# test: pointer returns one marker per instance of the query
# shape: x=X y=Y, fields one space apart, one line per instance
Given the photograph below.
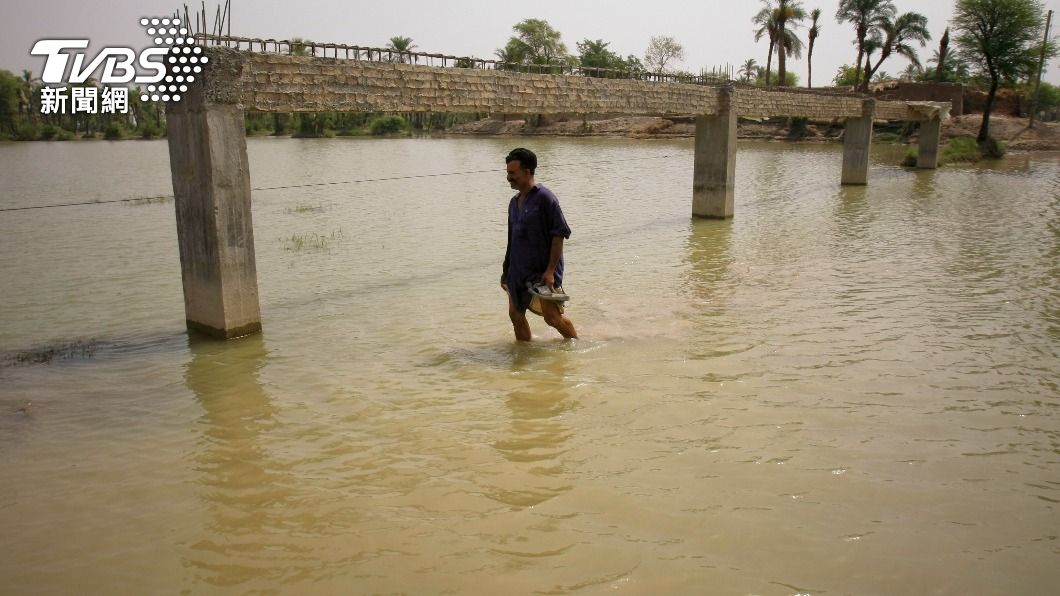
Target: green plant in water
x=63 y=350
x=305 y=209
x=909 y=161
x=992 y=148
x=961 y=150
x=385 y=125
x=311 y=241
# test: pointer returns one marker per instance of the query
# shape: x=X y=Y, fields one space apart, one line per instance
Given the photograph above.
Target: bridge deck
x=272 y=82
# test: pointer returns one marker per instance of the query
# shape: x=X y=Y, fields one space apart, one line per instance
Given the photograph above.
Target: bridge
x=211 y=174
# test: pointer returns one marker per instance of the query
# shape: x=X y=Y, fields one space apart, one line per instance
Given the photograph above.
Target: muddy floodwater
x=842 y=390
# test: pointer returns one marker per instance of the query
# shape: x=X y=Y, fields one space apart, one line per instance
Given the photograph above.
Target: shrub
x=48 y=132
x=886 y=137
x=961 y=149
x=384 y=125
x=27 y=132
x=114 y=131
x=63 y=135
x=799 y=127
x=909 y=161
x=993 y=148
x=150 y=130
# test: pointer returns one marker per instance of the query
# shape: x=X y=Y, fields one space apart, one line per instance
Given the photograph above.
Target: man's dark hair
x=525 y=157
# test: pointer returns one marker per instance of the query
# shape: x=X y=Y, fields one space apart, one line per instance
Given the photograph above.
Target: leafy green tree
x=811 y=35
x=662 y=51
x=511 y=54
x=401 y=45
x=1048 y=98
x=790 y=78
x=867 y=16
x=634 y=65
x=10 y=87
x=898 y=33
x=846 y=76
x=996 y=37
x=595 y=54
x=534 y=42
x=300 y=47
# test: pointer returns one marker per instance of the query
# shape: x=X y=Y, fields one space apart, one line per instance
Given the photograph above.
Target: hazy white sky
x=714 y=32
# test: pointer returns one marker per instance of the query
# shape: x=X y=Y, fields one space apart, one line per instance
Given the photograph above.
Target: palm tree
x=788 y=15
x=792 y=46
x=944 y=46
x=812 y=34
x=510 y=55
x=401 y=45
x=866 y=16
x=871 y=45
x=766 y=27
x=748 y=70
x=909 y=27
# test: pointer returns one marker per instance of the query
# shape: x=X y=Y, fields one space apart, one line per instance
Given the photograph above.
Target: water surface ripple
x=841 y=390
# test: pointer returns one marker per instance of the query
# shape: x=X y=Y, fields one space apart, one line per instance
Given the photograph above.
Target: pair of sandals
x=542 y=291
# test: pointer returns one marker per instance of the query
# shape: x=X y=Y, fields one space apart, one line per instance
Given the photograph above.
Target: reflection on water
x=867 y=377
x=244 y=490
x=537 y=435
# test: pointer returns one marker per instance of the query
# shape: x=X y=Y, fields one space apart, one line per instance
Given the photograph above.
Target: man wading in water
x=534 y=256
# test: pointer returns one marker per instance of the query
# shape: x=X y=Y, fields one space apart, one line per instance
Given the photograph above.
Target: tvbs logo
x=173 y=61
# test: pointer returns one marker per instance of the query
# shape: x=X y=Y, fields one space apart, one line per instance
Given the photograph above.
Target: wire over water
x=332 y=183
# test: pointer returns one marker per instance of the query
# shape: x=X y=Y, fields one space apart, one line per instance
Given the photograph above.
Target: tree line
x=998 y=43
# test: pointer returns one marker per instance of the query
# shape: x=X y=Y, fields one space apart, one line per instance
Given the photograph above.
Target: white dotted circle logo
x=184 y=57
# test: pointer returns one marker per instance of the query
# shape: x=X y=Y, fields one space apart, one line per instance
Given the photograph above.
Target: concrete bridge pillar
x=211 y=183
x=857 y=139
x=714 y=168
x=928 y=150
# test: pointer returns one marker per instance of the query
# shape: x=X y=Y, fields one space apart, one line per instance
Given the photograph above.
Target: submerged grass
x=305 y=209
x=961 y=150
x=63 y=350
x=964 y=149
x=312 y=241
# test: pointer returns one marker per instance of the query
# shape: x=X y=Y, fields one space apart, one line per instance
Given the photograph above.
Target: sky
x=713 y=32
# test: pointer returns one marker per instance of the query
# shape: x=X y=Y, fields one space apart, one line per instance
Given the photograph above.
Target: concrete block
x=714 y=167
x=211 y=184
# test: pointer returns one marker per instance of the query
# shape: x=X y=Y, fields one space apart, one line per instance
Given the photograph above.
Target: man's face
x=518 y=177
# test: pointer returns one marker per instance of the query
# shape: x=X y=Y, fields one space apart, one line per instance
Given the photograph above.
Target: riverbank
x=1013 y=131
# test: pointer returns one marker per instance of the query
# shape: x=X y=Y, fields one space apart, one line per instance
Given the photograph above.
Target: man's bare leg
x=556 y=320
x=519 y=322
